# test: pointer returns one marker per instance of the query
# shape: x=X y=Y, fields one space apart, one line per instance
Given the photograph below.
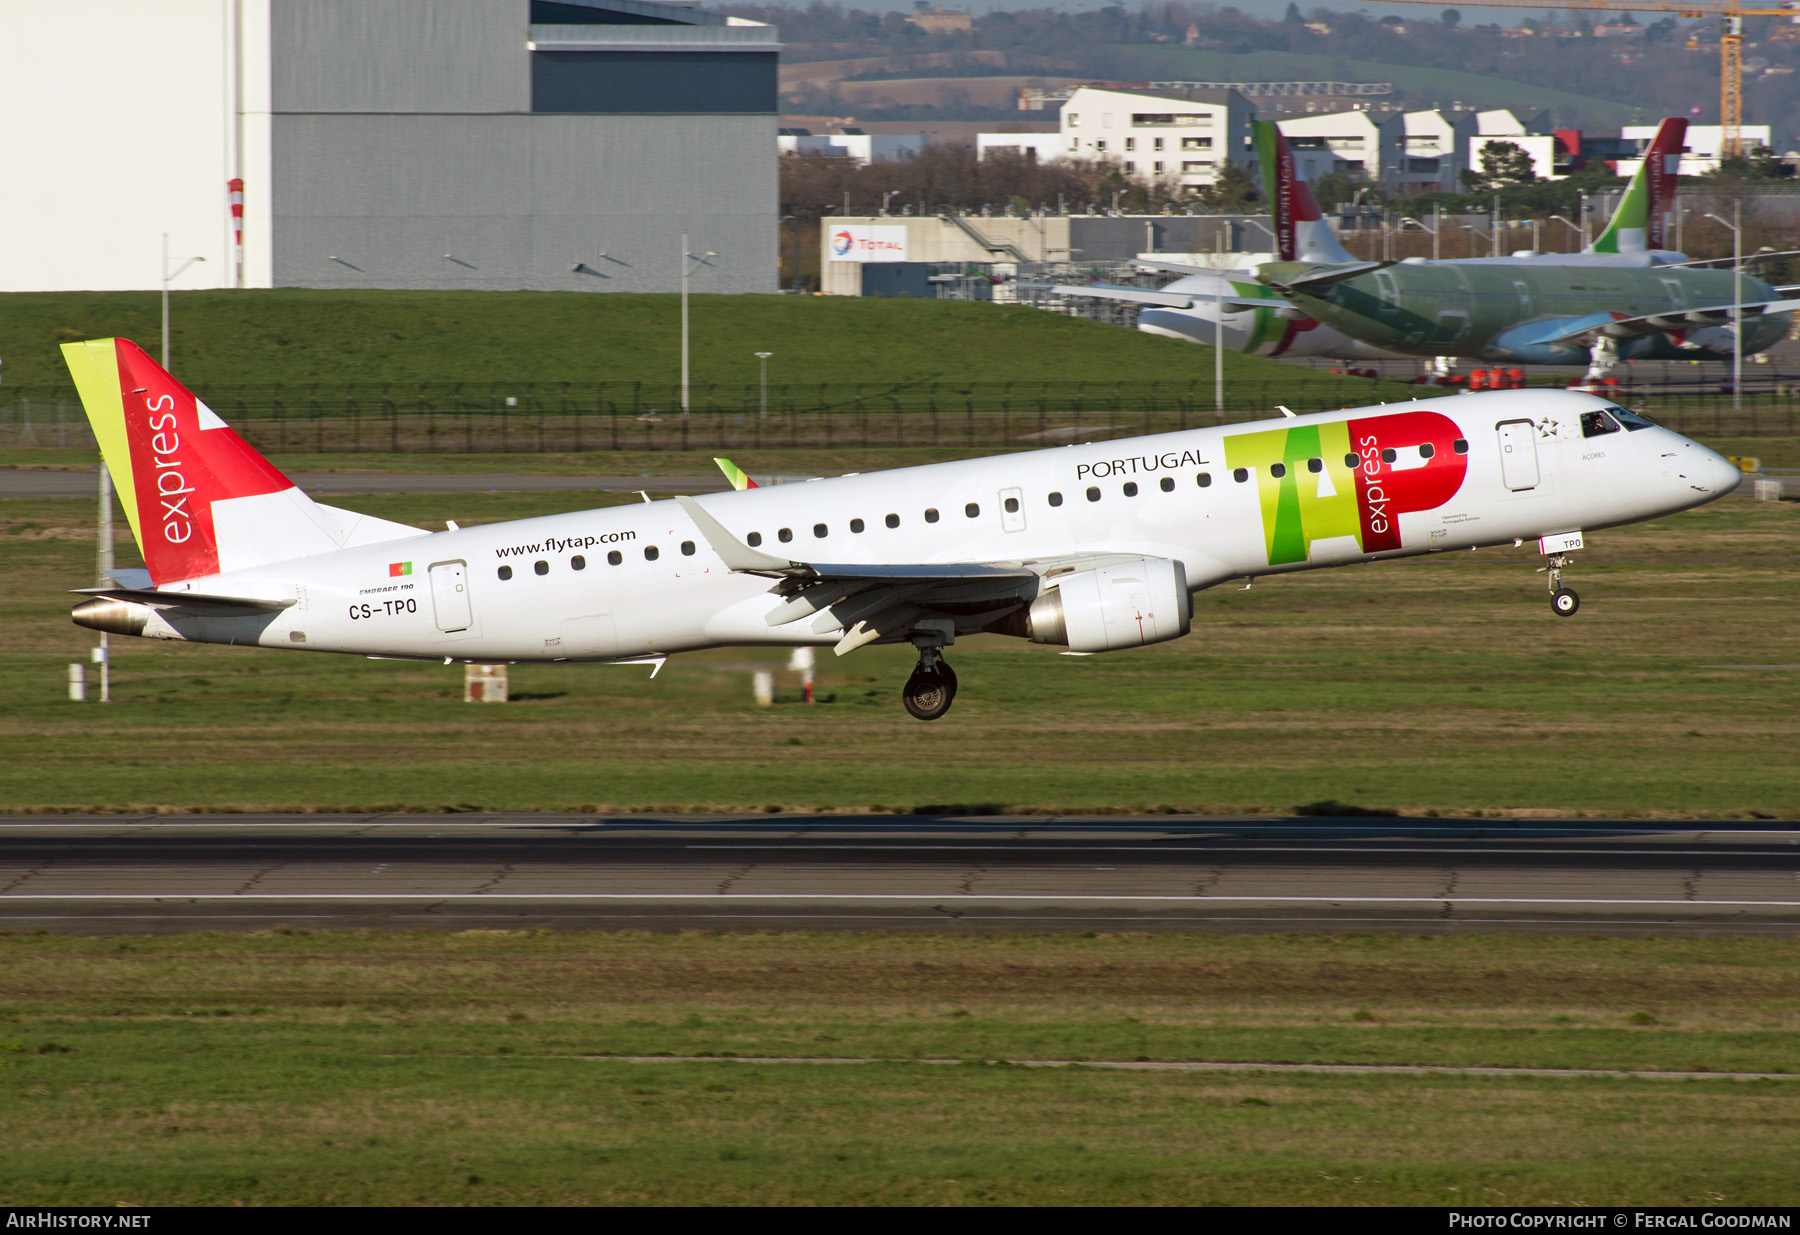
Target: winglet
x=734 y=553
x=739 y=478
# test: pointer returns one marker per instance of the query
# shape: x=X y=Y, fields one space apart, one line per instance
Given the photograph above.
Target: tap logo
x=1348 y=482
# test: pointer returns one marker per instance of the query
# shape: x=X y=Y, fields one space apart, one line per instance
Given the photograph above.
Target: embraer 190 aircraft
x=1095 y=547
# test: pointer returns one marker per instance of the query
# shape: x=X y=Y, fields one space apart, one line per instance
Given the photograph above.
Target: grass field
x=1442 y=686
x=289 y=335
x=394 y=1069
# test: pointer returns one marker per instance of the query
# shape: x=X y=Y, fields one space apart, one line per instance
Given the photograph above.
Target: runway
x=160 y=874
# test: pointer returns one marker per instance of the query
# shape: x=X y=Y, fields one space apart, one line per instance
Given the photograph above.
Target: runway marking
x=1186 y=1065
x=955 y=897
x=1607 y=853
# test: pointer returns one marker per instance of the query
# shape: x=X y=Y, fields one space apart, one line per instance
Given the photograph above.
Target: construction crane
x=1731 y=41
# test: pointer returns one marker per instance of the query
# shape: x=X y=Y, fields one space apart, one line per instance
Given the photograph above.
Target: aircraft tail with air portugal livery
x=1641 y=223
x=1301 y=232
x=200 y=500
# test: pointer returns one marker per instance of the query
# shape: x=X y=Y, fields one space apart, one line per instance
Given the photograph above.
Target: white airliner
x=1095 y=547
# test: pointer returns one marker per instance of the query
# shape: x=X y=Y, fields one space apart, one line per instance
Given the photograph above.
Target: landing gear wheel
x=1565 y=602
x=928 y=695
x=949 y=676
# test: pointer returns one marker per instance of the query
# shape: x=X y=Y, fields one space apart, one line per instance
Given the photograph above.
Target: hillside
x=286 y=335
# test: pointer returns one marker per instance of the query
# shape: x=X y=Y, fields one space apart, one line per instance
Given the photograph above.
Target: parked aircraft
x=1208 y=306
x=1095 y=547
x=1258 y=320
x=1622 y=300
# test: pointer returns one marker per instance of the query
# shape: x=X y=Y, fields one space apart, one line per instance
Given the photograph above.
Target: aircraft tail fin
x=1301 y=232
x=1641 y=223
x=739 y=478
x=200 y=499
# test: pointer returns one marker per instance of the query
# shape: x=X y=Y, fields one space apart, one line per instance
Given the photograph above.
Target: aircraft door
x=1523 y=290
x=1390 y=293
x=1451 y=323
x=1673 y=288
x=450 y=595
x=1518 y=455
x=1012 y=510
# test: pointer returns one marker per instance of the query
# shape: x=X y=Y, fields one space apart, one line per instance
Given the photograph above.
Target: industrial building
x=476 y=144
x=955 y=256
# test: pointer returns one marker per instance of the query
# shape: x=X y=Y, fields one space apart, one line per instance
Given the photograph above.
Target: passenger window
x=614 y=558
x=1012 y=505
x=1056 y=499
x=784 y=535
x=651 y=553
x=1168 y=484
x=973 y=510
x=893 y=520
x=687 y=548
x=1597 y=424
x=1278 y=470
x=1389 y=455
x=753 y=539
x=931 y=515
x=1461 y=446
x=1240 y=474
x=1315 y=466
x=578 y=562
x=856 y=526
x=1350 y=460
x=1093 y=495
x=1203 y=479
x=505 y=572
x=1427 y=451
x=542 y=568
x=1131 y=488
x=820 y=531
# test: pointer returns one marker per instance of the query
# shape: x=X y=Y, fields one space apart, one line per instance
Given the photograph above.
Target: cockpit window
x=1594 y=424
x=1631 y=420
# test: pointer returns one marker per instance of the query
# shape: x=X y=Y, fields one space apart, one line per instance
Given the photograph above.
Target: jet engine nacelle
x=1126 y=605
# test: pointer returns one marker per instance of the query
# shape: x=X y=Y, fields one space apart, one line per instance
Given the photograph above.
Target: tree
x=1292 y=16
x=1502 y=164
x=1235 y=190
x=1450 y=17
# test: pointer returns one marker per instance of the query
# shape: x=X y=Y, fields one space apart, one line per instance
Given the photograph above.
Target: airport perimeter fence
x=526 y=417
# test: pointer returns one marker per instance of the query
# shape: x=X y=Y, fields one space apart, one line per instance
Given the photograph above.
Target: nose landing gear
x=1563 y=601
x=932 y=687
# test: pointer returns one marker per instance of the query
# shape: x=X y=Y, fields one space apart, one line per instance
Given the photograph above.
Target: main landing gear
x=1563 y=601
x=932 y=687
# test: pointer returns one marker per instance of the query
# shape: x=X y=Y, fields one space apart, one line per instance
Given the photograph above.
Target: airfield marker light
x=762 y=359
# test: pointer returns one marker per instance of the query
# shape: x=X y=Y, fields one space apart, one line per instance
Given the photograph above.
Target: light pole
x=1424 y=227
x=1737 y=300
x=762 y=359
x=1566 y=223
x=167 y=279
x=687 y=260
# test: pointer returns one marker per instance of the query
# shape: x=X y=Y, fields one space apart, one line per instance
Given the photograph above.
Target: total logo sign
x=862 y=243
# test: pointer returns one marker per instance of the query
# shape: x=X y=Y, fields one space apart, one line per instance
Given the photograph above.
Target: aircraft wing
x=1167 y=300
x=869 y=601
x=1558 y=329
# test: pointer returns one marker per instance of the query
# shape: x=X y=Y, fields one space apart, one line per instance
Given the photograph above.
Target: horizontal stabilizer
x=187 y=600
x=1312 y=277
x=1232 y=303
